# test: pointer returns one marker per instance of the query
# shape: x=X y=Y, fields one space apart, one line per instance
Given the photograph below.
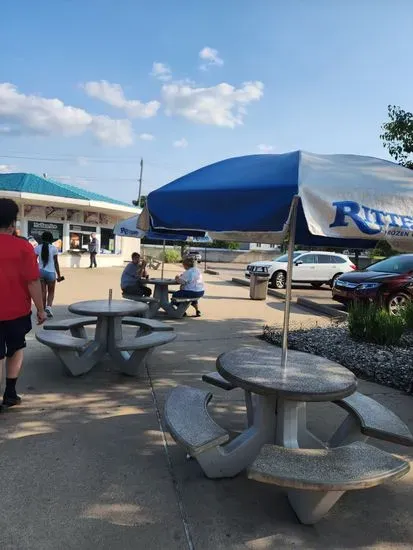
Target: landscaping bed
x=388 y=365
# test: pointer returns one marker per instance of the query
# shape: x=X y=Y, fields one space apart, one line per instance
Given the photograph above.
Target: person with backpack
x=19 y=286
x=49 y=267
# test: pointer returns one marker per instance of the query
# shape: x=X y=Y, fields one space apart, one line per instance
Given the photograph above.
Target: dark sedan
x=388 y=283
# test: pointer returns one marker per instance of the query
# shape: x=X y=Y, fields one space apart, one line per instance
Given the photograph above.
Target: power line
x=91 y=160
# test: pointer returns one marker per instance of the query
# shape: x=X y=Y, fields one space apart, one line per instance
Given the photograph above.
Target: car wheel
x=279 y=279
x=317 y=285
x=397 y=302
x=333 y=280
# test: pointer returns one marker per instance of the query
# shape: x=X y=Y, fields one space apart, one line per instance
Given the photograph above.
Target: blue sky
x=81 y=98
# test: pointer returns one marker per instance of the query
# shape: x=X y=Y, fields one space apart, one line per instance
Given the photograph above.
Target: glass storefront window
x=79 y=236
x=107 y=241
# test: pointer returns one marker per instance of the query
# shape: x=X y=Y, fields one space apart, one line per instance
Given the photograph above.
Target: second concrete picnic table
x=161 y=293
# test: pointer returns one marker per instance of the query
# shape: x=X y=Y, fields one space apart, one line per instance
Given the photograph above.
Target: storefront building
x=71 y=214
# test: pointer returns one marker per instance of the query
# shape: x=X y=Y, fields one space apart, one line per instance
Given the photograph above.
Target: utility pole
x=140 y=184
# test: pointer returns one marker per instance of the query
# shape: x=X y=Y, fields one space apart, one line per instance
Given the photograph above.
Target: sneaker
x=11 y=401
x=49 y=312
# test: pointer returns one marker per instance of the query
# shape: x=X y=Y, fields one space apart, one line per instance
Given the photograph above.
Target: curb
x=322 y=308
x=303 y=302
x=211 y=271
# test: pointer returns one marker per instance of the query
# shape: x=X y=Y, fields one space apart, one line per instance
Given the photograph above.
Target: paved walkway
x=85 y=462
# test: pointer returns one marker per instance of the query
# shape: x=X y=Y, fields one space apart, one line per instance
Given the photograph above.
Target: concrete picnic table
x=109 y=322
x=280 y=395
x=161 y=292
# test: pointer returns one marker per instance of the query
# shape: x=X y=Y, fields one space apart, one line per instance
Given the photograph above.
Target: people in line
x=19 y=286
x=134 y=276
x=93 y=250
x=49 y=267
x=192 y=285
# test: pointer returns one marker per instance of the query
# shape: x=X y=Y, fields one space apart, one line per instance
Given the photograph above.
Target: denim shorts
x=47 y=276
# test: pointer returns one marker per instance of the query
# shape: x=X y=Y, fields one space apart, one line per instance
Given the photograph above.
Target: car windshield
x=284 y=258
x=396 y=264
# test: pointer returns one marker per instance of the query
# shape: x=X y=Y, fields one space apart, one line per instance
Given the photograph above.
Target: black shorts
x=12 y=335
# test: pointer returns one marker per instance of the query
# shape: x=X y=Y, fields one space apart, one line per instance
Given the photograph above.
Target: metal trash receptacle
x=259 y=286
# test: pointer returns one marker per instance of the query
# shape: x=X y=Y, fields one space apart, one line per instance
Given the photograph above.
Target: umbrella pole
x=287 y=306
x=163 y=259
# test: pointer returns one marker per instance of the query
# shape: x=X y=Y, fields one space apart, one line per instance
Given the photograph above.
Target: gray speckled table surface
x=306 y=378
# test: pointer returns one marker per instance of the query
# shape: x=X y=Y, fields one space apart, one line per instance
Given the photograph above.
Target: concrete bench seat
x=215 y=379
x=317 y=478
x=152 y=303
x=74 y=324
x=189 y=422
x=372 y=419
x=150 y=340
x=132 y=353
x=78 y=355
x=179 y=306
x=147 y=325
x=61 y=340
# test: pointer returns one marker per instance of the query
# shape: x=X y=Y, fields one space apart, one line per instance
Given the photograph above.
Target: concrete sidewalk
x=85 y=462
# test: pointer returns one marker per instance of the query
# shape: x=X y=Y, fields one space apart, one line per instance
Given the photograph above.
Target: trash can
x=259 y=286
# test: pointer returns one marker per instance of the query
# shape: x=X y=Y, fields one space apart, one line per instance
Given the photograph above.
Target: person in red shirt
x=19 y=285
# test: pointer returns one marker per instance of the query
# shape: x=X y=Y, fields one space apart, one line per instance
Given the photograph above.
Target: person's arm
x=30 y=269
x=57 y=266
x=35 y=291
x=56 y=261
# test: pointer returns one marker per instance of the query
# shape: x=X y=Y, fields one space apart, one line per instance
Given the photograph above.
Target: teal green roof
x=29 y=183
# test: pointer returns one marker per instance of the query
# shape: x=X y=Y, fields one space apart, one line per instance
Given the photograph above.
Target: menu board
x=34 y=211
x=53 y=213
x=91 y=217
x=75 y=215
x=36 y=229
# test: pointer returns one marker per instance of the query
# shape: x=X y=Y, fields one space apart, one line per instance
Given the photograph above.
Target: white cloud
x=220 y=105
x=210 y=55
x=263 y=148
x=180 y=143
x=113 y=95
x=36 y=115
x=161 y=71
x=7 y=168
x=146 y=137
x=82 y=161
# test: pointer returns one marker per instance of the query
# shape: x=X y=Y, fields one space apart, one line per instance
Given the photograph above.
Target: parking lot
x=300 y=292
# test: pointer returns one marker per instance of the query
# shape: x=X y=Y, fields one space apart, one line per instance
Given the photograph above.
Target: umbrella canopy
x=345 y=200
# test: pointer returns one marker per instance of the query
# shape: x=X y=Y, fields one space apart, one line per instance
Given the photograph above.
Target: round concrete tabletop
x=161 y=281
x=115 y=308
x=306 y=377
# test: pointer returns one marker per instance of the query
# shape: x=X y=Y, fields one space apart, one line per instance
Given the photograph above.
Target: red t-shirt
x=18 y=267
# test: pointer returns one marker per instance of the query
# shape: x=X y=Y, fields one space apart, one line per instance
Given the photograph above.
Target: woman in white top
x=192 y=285
x=49 y=267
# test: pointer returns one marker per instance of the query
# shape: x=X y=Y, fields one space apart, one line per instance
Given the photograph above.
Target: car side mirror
x=298 y=262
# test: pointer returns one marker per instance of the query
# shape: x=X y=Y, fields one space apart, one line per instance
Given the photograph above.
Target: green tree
x=142 y=202
x=397 y=135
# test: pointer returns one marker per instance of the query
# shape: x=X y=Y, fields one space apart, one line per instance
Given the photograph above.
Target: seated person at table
x=192 y=285
x=133 y=276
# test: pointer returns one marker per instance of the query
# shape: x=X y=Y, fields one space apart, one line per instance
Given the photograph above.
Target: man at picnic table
x=19 y=285
x=133 y=277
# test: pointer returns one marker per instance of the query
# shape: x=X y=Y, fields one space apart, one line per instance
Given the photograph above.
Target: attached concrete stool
x=317 y=478
x=368 y=418
x=78 y=355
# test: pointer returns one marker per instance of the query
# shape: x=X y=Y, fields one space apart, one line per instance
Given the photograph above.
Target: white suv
x=317 y=268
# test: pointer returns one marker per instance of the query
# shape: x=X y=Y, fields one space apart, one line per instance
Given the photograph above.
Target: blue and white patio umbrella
x=321 y=200
x=128 y=228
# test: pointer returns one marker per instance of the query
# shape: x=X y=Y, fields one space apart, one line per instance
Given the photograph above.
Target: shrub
x=371 y=323
x=408 y=315
x=171 y=256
